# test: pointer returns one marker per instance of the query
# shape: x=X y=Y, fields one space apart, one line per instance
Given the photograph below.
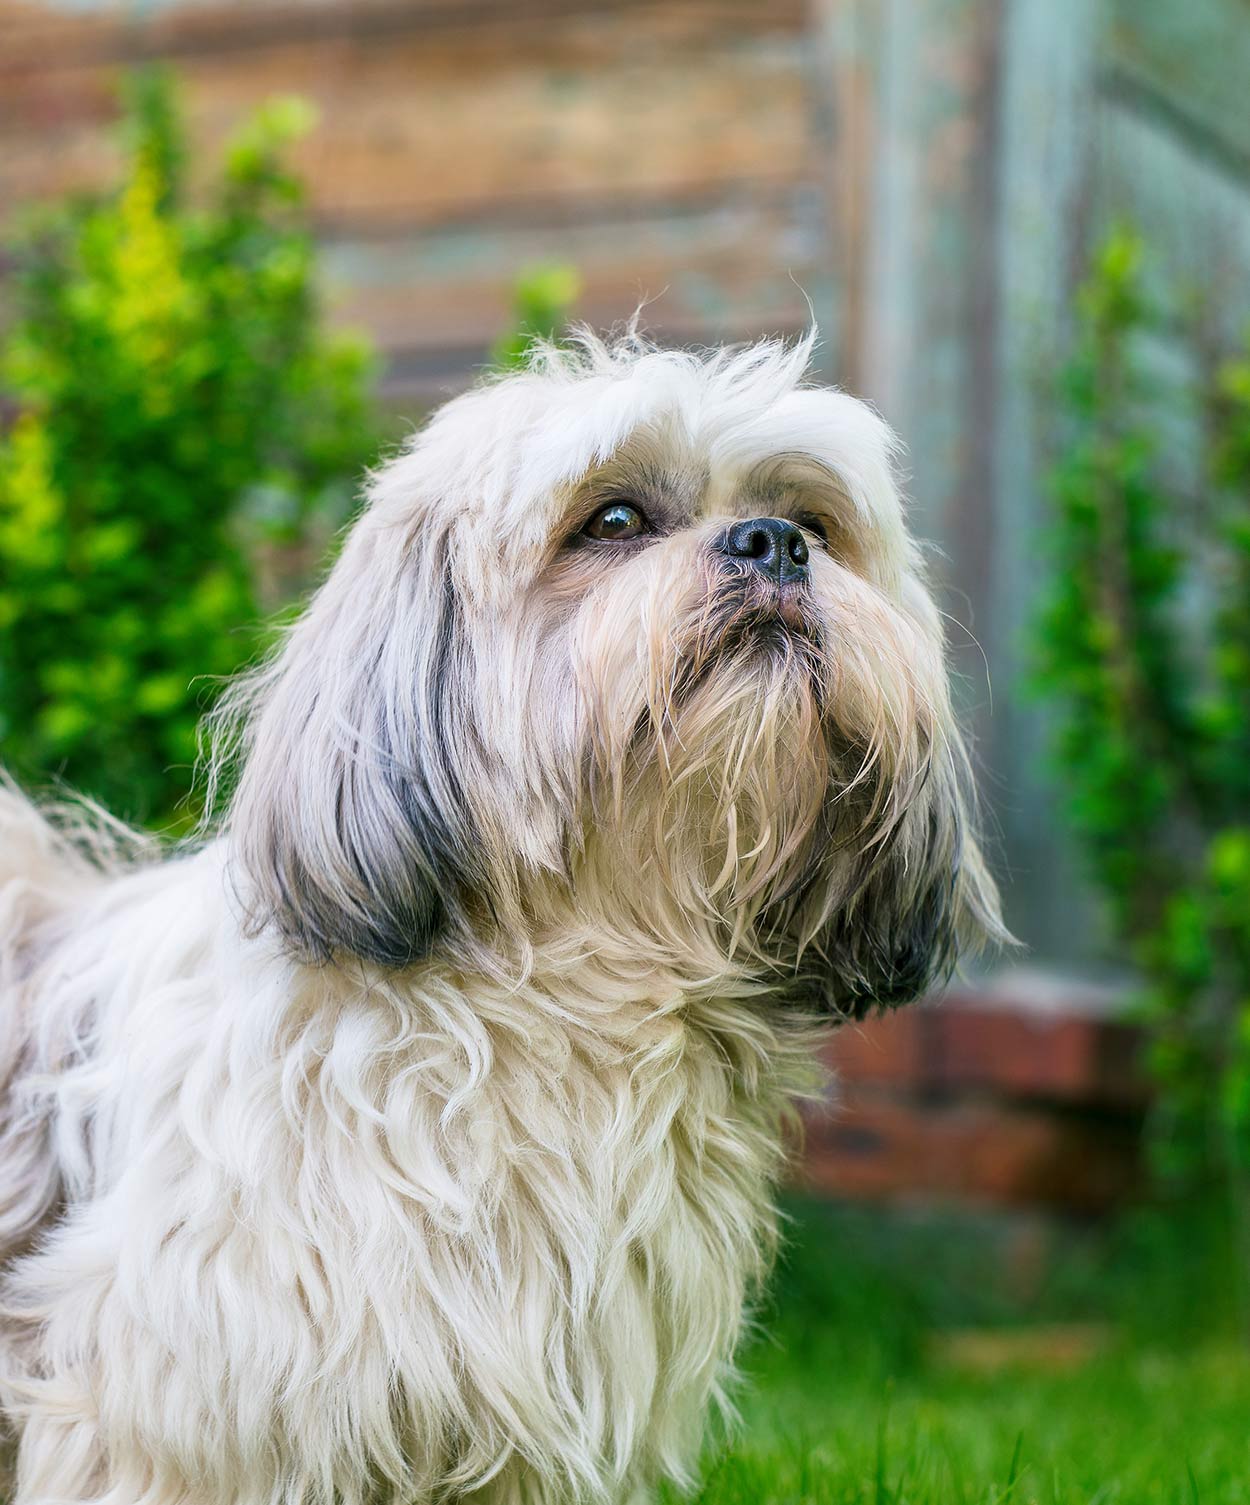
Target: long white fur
x=284 y=1226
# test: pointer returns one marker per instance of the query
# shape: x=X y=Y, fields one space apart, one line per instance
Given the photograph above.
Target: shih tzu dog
x=411 y=1137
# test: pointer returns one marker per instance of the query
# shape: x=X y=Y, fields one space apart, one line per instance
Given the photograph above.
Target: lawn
x=898 y=1366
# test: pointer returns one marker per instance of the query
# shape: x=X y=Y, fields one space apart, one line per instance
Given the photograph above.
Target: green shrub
x=1145 y=646
x=180 y=416
x=541 y=300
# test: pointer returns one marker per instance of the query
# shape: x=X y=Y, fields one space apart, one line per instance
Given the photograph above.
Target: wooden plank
x=847 y=40
x=1193 y=215
x=932 y=155
x=928 y=279
x=712 y=270
x=1049 y=120
x=115 y=31
x=435 y=300
x=1190 y=63
x=422 y=128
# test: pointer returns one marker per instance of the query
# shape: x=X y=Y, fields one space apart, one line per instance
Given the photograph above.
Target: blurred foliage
x=1145 y=647
x=179 y=416
x=1107 y=1371
x=542 y=299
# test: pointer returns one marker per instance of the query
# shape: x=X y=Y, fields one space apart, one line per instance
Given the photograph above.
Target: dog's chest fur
x=357 y=1239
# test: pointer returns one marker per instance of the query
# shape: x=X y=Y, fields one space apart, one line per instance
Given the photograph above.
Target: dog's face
x=633 y=646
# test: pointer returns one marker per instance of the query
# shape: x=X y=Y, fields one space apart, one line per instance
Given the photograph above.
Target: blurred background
x=248 y=243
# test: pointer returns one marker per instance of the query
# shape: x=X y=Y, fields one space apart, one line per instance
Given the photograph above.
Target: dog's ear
x=350 y=830
x=922 y=898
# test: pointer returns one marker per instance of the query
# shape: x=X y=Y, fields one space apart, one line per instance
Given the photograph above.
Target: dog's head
x=631 y=649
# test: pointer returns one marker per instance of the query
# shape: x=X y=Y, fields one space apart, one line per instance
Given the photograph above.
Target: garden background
x=247 y=245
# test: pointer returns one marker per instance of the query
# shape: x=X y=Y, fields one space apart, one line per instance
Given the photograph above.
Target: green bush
x=181 y=417
x=541 y=300
x=1145 y=647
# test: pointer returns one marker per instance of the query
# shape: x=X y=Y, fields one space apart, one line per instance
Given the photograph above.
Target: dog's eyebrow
x=793 y=469
x=668 y=494
x=793 y=478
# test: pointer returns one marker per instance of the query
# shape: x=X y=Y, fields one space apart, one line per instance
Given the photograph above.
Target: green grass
x=853 y=1393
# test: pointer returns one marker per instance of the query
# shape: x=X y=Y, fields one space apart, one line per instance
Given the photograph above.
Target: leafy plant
x=541 y=300
x=1144 y=644
x=182 y=425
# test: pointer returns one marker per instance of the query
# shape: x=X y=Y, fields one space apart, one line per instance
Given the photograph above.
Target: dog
x=412 y=1136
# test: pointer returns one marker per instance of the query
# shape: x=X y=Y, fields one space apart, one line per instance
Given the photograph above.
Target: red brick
x=974 y=1042
x=1065 y=1058
x=888 y=1050
x=878 y=1146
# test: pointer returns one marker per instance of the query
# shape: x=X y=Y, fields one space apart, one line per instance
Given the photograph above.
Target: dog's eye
x=616 y=521
x=814 y=525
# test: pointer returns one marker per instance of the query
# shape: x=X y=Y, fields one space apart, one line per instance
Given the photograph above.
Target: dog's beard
x=725 y=782
x=744 y=773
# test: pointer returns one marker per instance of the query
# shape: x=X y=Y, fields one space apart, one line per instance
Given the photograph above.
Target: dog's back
x=39 y=871
x=31 y=852
x=43 y=874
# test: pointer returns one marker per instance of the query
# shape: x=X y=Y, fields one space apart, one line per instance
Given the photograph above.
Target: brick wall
x=1024 y=1095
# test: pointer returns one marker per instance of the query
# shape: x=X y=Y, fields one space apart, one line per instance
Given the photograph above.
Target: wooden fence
x=922 y=176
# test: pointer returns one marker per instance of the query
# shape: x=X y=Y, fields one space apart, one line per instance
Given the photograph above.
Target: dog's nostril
x=775 y=546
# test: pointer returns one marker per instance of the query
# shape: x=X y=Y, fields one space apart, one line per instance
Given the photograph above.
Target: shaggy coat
x=410 y=1137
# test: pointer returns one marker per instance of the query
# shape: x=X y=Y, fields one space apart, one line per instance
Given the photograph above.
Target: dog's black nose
x=774 y=546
